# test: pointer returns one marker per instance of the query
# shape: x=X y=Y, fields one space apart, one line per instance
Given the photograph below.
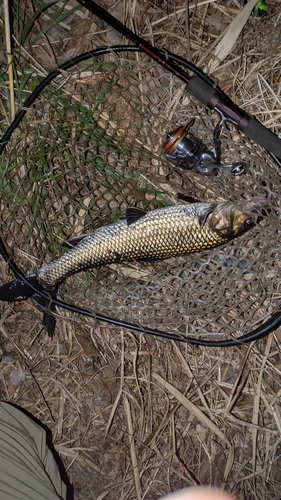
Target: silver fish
x=158 y=234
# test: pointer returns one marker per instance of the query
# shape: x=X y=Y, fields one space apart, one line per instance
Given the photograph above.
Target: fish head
x=233 y=219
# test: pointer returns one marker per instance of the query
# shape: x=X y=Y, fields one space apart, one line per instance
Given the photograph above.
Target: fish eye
x=248 y=222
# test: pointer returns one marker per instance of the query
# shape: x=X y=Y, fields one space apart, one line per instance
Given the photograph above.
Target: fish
x=141 y=236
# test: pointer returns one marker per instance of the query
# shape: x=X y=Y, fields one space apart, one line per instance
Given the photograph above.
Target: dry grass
x=132 y=416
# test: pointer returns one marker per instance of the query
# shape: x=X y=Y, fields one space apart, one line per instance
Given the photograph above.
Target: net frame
x=239 y=147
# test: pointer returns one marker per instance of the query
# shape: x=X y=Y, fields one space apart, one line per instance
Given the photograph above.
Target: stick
x=9 y=58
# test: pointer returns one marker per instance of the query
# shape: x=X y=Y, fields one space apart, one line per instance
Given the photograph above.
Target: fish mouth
x=248 y=213
x=257 y=206
x=254 y=205
x=233 y=219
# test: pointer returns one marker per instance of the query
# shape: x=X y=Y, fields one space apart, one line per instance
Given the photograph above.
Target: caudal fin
x=17 y=290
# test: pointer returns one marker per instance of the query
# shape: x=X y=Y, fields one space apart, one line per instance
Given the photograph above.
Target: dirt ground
x=134 y=416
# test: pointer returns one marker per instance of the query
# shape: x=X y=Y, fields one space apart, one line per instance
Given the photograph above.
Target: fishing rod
x=267 y=327
x=199 y=86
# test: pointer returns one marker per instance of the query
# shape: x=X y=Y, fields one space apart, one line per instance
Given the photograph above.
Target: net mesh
x=90 y=146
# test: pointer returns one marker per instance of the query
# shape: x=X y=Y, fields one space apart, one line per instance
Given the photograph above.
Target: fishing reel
x=186 y=151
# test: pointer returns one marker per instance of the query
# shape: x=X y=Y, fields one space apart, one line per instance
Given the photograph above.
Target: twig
x=37 y=23
x=132 y=447
x=9 y=58
x=187 y=28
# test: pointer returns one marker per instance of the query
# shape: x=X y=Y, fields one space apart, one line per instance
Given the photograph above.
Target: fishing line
x=269 y=326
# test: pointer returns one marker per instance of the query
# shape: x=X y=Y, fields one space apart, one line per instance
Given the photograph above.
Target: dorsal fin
x=133 y=214
x=73 y=242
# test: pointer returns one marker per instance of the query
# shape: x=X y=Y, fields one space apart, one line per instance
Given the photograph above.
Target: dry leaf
x=80 y=27
x=87 y=346
x=227 y=43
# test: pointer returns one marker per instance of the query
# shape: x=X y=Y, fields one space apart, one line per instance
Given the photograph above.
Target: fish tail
x=19 y=290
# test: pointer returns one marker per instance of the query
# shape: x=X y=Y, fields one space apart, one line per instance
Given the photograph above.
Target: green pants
x=28 y=470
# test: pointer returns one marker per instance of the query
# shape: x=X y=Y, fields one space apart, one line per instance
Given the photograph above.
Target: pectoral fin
x=187 y=199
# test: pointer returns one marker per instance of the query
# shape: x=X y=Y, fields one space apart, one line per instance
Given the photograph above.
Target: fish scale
x=158 y=234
